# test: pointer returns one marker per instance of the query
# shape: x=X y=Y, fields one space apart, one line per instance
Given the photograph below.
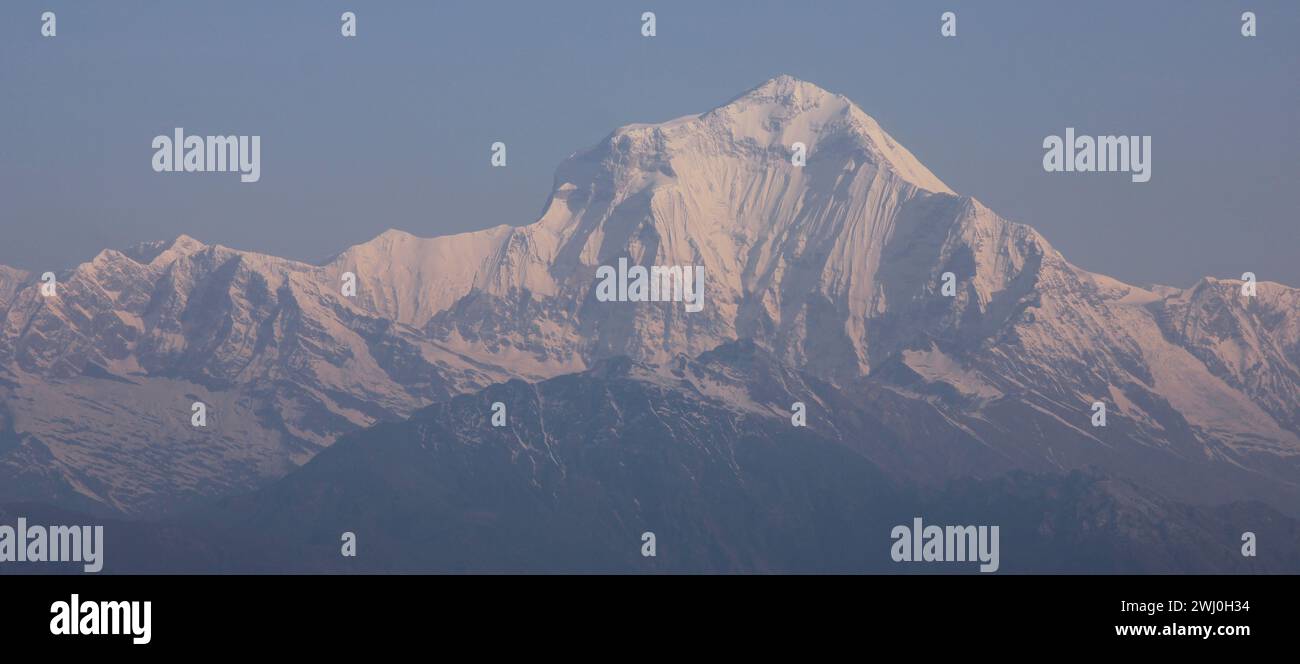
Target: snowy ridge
x=832 y=270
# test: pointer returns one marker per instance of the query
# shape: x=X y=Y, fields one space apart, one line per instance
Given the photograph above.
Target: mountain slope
x=101 y=377
x=833 y=270
x=588 y=462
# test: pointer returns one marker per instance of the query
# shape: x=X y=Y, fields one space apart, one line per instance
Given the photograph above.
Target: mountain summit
x=786 y=110
x=718 y=190
x=833 y=271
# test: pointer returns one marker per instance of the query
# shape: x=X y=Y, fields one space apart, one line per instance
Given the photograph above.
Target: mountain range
x=823 y=286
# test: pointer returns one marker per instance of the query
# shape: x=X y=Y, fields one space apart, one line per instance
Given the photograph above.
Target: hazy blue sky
x=393 y=128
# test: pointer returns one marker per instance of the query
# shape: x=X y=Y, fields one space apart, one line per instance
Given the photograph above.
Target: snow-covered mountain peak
x=790 y=90
x=780 y=99
x=408 y=278
x=751 y=137
x=785 y=110
x=162 y=252
x=857 y=268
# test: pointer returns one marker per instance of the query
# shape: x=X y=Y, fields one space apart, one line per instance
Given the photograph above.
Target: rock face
x=822 y=285
x=589 y=463
x=99 y=380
